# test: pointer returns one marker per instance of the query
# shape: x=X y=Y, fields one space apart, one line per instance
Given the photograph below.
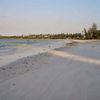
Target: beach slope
x=68 y=73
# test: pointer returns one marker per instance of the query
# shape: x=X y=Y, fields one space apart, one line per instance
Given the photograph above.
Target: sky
x=47 y=16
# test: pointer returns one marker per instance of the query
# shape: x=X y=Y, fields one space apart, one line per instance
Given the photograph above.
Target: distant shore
x=83 y=41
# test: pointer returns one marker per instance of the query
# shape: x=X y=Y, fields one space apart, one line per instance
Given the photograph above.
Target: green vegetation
x=92 y=33
x=48 y=36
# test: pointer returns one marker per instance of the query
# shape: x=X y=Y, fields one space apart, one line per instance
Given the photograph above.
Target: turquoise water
x=14 y=42
x=8 y=44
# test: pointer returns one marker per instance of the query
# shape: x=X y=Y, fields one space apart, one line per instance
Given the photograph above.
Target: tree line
x=91 y=33
x=48 y=36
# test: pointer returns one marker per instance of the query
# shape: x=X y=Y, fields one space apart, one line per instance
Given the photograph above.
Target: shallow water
x=7 y=45
x=14 y=49
x=89 y=49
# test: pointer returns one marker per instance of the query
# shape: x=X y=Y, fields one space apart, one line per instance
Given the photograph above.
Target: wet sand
x=68 y=73
x=15 y=50
x=20 y=52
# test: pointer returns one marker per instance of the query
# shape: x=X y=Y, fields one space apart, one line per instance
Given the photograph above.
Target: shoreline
x=23 y=51
x=83 y=41
x=50 y=74
x=29 y=51
x=7 y=59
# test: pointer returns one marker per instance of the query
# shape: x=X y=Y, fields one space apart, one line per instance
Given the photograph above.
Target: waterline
x=75 y=57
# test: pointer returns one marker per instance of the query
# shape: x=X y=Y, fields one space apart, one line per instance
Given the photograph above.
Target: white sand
x=75 y=57
x=27 y=50
x=61 y=74
x=21 y=52
x=83 y=41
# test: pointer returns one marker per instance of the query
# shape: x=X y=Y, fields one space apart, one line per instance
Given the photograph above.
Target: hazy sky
x=47 y=16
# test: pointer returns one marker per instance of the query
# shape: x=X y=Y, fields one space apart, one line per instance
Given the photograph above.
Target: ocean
x=9 y=44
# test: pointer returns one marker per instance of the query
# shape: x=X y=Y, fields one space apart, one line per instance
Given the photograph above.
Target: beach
x=68 y=72
x=14 y=49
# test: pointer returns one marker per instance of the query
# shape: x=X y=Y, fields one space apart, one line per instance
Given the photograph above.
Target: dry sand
x=83 y=41
x=67 y=73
